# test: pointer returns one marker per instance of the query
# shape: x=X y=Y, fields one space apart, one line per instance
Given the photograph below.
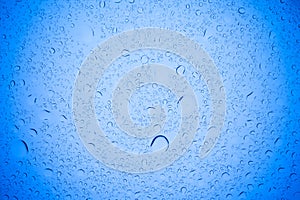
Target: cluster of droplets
x=255 y=47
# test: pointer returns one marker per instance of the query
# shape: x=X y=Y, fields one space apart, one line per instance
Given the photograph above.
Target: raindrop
x=276 y=140
x=81 y=172
x=219 y=28
x=183 y=190
x=140 y=10
x=19 y=148
x=34 y=131
x=225 y=174
x=250 y=187
x=198 y=12
x=242 y=194
x=180 y=70
x=102 y=4
x=293 y=175
x=196 y=75
x=154 y=85
x=47 y=111
x=48 y=171
x=280 y=169
x=248 y=95
x=144 y=59
x=241 y=10
x=12 y=83
x=168 y=54
x=179 y=99
x=269 y=152
x=17 y=68
x=158 y=137
x=125 y=52
x=109 y=124
x=52 y=50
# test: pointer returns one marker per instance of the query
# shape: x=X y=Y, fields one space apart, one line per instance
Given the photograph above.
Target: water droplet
x=219 y=28
x=48 y=171
x=159 y=143
x=250 y=187
x=17 y=68
x=140 y=10
x=225 y=175
x=125 y=52
x=144 y=59
x=34 y=132
x=241 y=10
x=280 y=169
x=198 y=12
x=19 y=148
x=168 y=54
x=242 y=194
x=180 y=70
x=12 y=83
x=109 y=124
x=183 y=190
x=196 y=75
x=154 y=85
x=81 y=172
x=52 y=50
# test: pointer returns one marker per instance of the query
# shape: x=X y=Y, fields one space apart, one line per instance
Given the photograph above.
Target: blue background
x=255 y=46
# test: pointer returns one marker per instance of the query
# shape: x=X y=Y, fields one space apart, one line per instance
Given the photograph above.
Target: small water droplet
x=81 y=172
x=12 y=83
x=140 y=10
x=168 y=54
x=144 y=59
x=241 y=10
x=48 y=171
x=109 y=124
x=17 y=68
x=52 y=50
x=198 y=12
x=219 y=28
x=180 y=70
x=34 y=131
x=154 y=85
x=125 y=52
x=183 y=190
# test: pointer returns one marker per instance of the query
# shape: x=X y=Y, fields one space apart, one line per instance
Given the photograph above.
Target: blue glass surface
x=255 y=46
